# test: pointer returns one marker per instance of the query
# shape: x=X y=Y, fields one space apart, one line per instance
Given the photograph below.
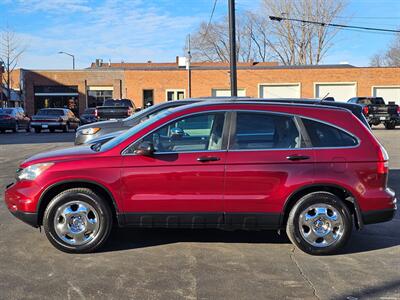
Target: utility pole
x=232 y=44
x=188 y=61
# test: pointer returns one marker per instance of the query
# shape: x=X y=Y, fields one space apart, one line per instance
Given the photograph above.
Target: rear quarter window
x=326 y=136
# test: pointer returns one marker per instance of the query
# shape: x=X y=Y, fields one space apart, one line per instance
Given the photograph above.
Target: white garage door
x=280 y=90
x=227 y=92
x=387 y=93
x=340 y=91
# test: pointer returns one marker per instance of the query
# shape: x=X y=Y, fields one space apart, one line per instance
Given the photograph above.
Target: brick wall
x=130 y=83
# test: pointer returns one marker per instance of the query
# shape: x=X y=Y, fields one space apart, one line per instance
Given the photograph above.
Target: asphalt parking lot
x=192 y=264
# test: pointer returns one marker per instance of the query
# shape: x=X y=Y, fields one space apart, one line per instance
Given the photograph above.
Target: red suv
x=308 y=169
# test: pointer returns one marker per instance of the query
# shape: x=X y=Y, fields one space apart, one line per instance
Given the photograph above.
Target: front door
x=181 y=184
x=266 y=155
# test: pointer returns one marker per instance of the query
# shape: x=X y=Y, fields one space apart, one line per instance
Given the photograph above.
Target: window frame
x=334 y=126
x=225 y=134
x=300 y=127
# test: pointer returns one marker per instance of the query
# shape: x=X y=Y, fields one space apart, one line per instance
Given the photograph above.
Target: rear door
x=268 y=156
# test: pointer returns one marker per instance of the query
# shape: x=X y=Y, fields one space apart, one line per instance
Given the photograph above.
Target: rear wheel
x=77 y=221
x=38 y=130
x=319 y=223
x=390 y=125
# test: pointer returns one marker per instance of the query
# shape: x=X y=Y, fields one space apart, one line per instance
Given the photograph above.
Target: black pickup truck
x=377 y=112
x=115 y=109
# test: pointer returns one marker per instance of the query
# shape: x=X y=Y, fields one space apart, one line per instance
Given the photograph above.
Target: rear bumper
x=378 y=216
x=43 y=125
x=7 y=125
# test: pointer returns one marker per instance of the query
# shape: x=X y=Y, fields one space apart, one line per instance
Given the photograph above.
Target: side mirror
x=145 y=149
x=177 y=133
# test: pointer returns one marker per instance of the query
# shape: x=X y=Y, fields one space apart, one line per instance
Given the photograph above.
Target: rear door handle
x=207 y=158
x=297 y=157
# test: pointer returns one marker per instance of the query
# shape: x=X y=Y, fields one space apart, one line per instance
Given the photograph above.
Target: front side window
x=193 y=133
x=324 y=135
x=265 y=131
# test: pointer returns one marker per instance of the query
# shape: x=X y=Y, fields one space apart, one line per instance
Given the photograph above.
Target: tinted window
x=265 y=131
x=126 y=103
x=323 y=135
x=194 y=133
x=6 y=111
x=51 y=112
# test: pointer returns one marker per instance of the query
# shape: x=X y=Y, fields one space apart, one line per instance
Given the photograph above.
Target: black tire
x=52 y=130
x=86 y=196
x=28 y=128
x=307 y=201
x=390 y=125
x=2 y=130
x=16 y=127
x=38 y=130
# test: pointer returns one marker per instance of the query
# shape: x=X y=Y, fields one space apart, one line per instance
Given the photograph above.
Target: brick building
x=157 y=82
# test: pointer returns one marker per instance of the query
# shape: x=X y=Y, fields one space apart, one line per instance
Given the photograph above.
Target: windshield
x=51 y=112
x=135 y=129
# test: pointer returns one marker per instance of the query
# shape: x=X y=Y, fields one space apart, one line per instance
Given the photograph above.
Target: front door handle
x=207 y=158
x=297 y=157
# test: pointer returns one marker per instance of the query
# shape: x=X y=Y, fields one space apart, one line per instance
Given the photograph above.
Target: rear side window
x=265 y=131
x=323 y=135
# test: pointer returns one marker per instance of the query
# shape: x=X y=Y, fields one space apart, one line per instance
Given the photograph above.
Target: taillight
x=365 y=110
x=398 y=109
x=382 y=167
x=96 y=113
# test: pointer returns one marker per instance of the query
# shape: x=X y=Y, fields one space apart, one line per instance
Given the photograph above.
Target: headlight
x=33 y=171
x=89 y=131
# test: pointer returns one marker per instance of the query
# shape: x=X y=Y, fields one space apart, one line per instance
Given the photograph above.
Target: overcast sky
x=141 y=30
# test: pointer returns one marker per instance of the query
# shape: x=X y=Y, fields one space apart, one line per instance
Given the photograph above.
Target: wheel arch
x=337 y=190
x=51 y=191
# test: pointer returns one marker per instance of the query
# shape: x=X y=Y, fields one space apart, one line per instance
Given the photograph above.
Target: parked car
x=309 y=169
x=54 y=118
x=101 y=132
x=14 y=118
x=88 y=116
x=115 y=109
x=378 y=112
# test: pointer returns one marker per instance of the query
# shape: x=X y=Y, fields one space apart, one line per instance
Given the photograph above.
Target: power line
x=279 y=19
x=211 y=16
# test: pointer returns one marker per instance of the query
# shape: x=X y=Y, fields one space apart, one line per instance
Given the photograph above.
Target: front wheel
x=319 y=223
x=77 y=221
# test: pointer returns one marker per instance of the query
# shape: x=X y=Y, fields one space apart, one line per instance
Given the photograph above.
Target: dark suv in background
x=378 y=112
x=14 y=118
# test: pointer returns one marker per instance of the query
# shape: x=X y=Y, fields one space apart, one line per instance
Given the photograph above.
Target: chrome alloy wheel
x=76 y=223
x=321 y=225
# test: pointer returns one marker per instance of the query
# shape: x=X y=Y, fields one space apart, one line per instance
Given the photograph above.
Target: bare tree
x=297 y=43
x=390 y=58
x=11 y=49
x=258 y=38
x=211 y=42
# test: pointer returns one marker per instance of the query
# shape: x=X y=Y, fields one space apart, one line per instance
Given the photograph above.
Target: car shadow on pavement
x=10 y=138
x=375 y=292
x=129 y=238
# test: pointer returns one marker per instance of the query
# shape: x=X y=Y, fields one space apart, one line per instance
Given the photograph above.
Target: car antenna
x=325 y=96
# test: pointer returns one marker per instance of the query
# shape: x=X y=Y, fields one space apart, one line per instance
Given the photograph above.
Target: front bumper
x=21 y=200
x=378 y=216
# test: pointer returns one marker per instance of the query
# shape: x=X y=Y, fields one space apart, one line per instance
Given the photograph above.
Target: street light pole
x=232 y=44
x=73 y=58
